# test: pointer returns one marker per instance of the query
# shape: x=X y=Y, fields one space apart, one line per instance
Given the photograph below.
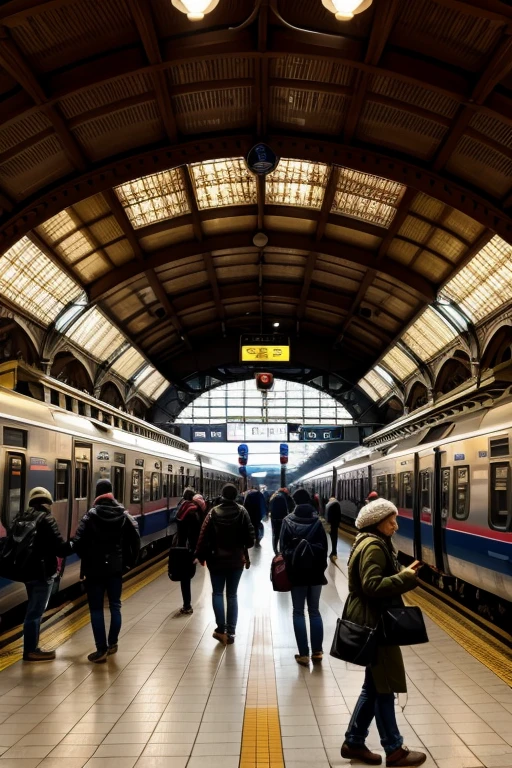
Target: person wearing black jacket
x=188 y=522
x=225 y=537
x=280 y=505
x=40 y=571
x=333 y=515
x=107 y=540
x=302 y=532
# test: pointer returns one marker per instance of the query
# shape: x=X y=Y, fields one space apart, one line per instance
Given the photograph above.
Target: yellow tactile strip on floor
x=488 y=650
x=261 y=736
x=56 y=635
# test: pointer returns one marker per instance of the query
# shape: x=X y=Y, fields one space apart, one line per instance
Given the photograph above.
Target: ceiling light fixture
x=344 y=10
x=195 y=9
x=276 y=325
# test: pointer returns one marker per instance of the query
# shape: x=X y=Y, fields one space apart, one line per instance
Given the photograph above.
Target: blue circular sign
x=261 y=159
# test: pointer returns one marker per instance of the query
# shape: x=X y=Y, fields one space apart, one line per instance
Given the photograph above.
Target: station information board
x=268 y=433
x=265 y=348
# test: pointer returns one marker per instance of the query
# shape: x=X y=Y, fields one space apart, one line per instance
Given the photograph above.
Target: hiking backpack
x=18 y=546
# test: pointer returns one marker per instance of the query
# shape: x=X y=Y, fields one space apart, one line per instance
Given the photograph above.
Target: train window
x=182 y=480
x=425 y=493
x=16 y=438
x=366 y=486
x=118 y=483
x=165 y=485
x=136 y=492
x=155 y=486
x=61 y=481
x=499 y=447
x=81 y=479
x=147 y=486
x=405 y=490
x=392 y=489
x=445 y=494
x=382 y=486
x=461 y=502
x=500 y=495
x=14 y=485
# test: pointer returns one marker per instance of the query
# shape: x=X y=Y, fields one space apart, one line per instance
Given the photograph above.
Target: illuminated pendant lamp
x=344 y=10
x=195 y=9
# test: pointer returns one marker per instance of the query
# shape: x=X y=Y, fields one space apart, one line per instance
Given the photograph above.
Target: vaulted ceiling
x=123 y=132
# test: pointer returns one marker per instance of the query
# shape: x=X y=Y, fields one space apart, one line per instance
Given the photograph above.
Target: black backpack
x=18 y=546
x=304 y=556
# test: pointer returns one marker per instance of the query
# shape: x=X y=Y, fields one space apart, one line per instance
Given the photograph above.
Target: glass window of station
x=288 y=402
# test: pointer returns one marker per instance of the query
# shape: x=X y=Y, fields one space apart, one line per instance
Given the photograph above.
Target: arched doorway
x=15 y=343
x=499 y=348
x=110 y=394
x=453 y=373
x=69 y=370
x=137 y=408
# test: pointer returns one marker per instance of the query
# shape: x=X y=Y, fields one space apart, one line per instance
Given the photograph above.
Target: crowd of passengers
x=220 y=535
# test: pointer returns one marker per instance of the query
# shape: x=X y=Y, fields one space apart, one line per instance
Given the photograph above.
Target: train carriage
x=43 y=444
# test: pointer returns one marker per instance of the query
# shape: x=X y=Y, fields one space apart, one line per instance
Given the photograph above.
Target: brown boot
x=404 y=756
x=362 y=754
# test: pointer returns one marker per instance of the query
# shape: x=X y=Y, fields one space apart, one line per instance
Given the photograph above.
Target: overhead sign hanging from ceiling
x=272 y=348
x=261 y=159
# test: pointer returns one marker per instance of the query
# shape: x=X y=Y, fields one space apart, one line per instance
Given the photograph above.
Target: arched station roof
x=126 y=203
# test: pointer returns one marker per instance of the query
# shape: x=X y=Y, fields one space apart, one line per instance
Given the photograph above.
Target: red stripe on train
x=465 y=527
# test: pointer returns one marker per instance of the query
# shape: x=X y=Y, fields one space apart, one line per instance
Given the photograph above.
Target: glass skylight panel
x=374 y=385
x=128 y=363
x=429 y=335
x=400 y=364
x=297 y=182
x=153 y=198
x=218 y=183
x=94 y=333
x=31 y=281
x=485 y=284
x=367 y=197
x=153 y=384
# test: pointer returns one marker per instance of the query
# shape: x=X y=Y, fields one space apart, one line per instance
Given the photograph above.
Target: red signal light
x=264 y=381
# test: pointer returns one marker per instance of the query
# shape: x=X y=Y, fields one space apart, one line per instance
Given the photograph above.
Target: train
x=65 y=440
x=448 y=471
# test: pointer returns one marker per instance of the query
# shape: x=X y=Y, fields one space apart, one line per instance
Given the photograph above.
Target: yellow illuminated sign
x=255 y=352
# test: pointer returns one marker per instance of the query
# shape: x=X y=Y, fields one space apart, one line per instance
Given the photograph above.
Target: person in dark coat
x=307 y=583
x=280 y=505
x=40 y=571
x=333 y=517
x=376 y=580
x=254 y=503
x=188 y=521
x=108 y=542
x=226 y=536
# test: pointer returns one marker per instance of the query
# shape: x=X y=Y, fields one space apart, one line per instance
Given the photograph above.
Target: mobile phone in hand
x=417 y=564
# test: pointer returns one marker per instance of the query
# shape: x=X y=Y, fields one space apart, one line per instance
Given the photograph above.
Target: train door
x=14 y=486
x=81 y=485
x=441 y=509
x=424 y=537
x=118 y=483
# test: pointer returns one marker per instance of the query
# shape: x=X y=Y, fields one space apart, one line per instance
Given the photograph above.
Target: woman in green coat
x=375 y=581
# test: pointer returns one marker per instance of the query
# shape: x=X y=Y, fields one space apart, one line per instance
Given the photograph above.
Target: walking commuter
x=376 y=580
x=303 y=544
x=333 y=516
x=108 y=542
x=43 y=545
x=280 y=506
x=225 y=538
x=372 y=496
x=254 y=503
x=188 y=521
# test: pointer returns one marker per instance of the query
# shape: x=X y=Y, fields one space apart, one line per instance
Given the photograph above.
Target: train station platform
x=174 y=698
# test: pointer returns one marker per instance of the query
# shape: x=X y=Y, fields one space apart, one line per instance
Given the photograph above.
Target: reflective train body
x=44 y=445
x=453 y=489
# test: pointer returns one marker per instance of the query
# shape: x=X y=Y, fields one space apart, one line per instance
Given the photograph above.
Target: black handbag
x=403 y=626
x=354 y=643
x=181 y=564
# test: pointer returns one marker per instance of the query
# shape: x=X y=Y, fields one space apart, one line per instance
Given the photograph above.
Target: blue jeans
x=96 y=588
x=228 y=580
x=371 y=704
x=38 y=593
x=311 y=595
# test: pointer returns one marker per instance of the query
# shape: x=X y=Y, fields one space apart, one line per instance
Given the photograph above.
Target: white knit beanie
x=374 y=512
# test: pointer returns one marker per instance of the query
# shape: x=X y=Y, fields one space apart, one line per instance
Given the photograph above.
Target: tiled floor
x=173 y=697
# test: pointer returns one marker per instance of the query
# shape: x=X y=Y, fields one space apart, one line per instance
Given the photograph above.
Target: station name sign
x=269 y=348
